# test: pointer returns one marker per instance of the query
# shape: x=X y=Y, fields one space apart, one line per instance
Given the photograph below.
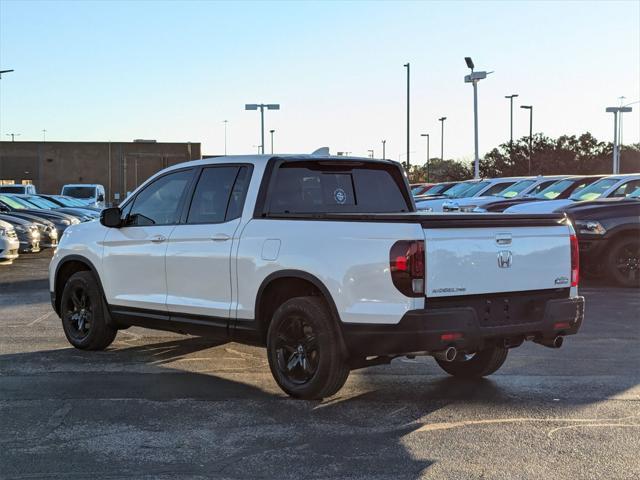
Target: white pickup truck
x=322 y=260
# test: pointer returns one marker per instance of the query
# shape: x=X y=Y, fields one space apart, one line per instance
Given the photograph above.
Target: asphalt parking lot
x=161 y=405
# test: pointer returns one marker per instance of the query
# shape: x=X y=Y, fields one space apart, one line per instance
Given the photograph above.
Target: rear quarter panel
x=351 y=259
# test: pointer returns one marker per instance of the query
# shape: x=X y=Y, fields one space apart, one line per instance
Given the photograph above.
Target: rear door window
x=335 y=187
x=219 y=195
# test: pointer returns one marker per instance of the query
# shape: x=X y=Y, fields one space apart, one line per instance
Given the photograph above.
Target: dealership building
x=119 y=166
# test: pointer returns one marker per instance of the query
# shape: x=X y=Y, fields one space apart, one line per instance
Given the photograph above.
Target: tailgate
x=475 y=260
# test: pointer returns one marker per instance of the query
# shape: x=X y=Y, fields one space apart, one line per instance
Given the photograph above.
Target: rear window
x=79 y=192
x=12 y=189
x=334 y=187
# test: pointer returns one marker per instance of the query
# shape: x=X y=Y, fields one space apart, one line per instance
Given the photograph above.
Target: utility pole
x=530 y=108
x=371 y=152
x=616 y=148
x=271 y=132
x=427 y=135
x=408 y=66
x=511 y=97
x=44 y=135
x=384 y=149
x=13 y=135
x=441 y=120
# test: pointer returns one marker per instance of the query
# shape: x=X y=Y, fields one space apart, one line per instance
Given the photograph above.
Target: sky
x=174 y=71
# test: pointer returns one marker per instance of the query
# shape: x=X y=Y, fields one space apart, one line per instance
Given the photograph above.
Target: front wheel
x=83 y=315
x=623 y=262
x=476 y=365
x=304 y=349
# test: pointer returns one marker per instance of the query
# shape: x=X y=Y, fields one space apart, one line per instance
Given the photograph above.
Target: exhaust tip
x=448 y=355
x=557 y=342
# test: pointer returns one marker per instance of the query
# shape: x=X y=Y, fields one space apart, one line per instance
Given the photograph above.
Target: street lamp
x=271 y=132
x=530 y=108
x=474 y=78
x=441 y=120
x=427 y=135
x=408 y=67
x=511 y=97
x=261 y=107
x=4 y=71
x=12 y=135
x=384 y=149
x=616 y=150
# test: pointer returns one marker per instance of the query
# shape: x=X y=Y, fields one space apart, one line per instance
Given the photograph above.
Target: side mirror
x=111 y=217
x=100 y=198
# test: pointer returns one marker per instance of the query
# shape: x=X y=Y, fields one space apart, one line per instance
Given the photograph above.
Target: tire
x=304 y=349
x=481 y=364
x=623 y=262
x=83 y=313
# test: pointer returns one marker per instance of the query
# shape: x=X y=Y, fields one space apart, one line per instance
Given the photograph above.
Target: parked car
x=82 y=214
x=515 y=190
x=28 y=233
x=46 y=228
x=92 y=194
x=560 y=189
x=18 y=188
x=608 y=232
x=9 y=204
x=9 y=243
x=613 y=186
x=467 y=189
x=322 y=261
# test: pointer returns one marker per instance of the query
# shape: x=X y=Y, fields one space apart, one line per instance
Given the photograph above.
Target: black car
x=28 y=233
x=556 y=191
x=608 y=232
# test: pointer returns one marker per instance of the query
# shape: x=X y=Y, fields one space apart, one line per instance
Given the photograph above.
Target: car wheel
x=83 y=313
x=476 y=365
x=623 y=262
x=304 y=349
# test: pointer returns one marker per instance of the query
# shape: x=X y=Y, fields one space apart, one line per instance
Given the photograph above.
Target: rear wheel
x=476 y=365
x=83 y=313
x=304 y=349
x=623 y=262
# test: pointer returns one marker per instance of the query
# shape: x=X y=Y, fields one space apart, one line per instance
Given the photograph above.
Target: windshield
x=457 y=190
x=14 y=202
x=555 y=189
x=440 y=188
x=595 y=190
x=40 y=202
x=516 y=188
x=473 y=190
x=79 y=192
x=68 y=201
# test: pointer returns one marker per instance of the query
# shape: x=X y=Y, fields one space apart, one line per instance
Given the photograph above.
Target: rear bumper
x=421 y=330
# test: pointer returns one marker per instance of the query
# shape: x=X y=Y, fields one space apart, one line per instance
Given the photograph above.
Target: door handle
x=220 y=237
x=158 y=238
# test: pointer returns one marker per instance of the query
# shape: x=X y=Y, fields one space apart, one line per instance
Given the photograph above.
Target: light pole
x=12 y=135
x=408 y=66
x=474 y=78
x=530 y=108
x=441 y=120
x=261 y=107
x=225 y=136
x=616 y=151
x=370 y=153
x=44 y=135
x=384 y=149
x=427 y=135
x=511 y=97
x=271 y=132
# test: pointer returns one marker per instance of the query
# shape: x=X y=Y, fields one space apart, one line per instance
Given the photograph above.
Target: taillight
x=575 y=261
x=406 y=261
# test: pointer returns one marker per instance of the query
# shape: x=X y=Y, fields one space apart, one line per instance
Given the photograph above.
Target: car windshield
x=440 y=188
x=40 y=202
x=12 y=189
x=458 y=190
x=515 y=189
x=67 y=201
x=473 y=190
x=595 y=190
x=79 y=192
x=14 y=202
x=555 y=189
